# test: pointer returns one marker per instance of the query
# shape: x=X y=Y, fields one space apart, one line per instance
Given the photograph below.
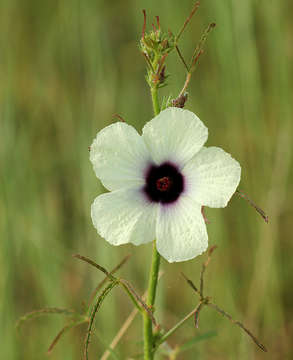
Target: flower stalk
x=155 y=100
x=155 y=47
x=147 y=323
x=154 y=78
x=154 y=271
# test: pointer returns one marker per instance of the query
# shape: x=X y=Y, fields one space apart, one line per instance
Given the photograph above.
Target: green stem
x=154 y=271
x=155 y=100
x=153 y=281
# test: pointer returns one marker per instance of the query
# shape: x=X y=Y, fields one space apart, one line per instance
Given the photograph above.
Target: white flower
x=159 y=181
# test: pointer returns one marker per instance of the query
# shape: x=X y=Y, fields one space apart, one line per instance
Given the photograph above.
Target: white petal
x=174 y=135
x=212 y=177
x=124 y=216
x=119 y=156
x=181 y=230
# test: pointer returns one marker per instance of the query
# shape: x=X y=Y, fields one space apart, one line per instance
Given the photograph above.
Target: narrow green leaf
x=96 y=307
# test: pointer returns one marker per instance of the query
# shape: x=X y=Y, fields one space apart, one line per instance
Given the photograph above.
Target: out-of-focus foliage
x=66 y=67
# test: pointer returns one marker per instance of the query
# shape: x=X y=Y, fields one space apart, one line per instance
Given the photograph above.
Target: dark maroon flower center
x=163 y=183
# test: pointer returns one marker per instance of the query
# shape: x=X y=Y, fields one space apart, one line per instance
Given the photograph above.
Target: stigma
x=164 y=183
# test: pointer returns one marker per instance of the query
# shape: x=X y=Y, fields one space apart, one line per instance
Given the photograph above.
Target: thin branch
x=196 y=315
x=64 y=330
x=181 y=58
x=193 y=11
x=139 y=299
x=195 y=61
x=190 y=283
x=206 y=301
x=101 y=284
x=210 y=252
x=125 y=284
x=91 y=262
x=188 y=76
x=187 y=81
x=257 y=208
x=201 y=44
x=238 y=323
x=203 y=269
x=131 y=295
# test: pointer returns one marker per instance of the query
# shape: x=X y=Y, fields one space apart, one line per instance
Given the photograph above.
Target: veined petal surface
x=181 y=230
x=174 y=135
x=124 y=216
x=212 y=177
x=119 y=156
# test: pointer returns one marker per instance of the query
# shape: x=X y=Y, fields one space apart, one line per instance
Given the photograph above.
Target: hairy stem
x=155 y=100
x=153 y=281
x=154 y=271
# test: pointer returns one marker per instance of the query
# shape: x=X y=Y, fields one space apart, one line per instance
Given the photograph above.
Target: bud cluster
x=155 y=46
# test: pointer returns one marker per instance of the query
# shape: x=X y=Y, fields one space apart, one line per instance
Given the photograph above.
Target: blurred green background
x=66 y=67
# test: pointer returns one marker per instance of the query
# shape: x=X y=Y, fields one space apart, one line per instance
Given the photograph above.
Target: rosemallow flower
x=158 y=183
